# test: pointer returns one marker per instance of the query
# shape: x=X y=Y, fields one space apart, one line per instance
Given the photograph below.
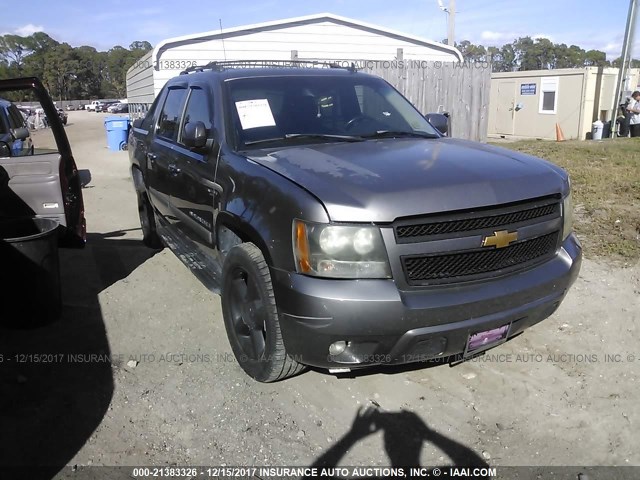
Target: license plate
x=480 y=341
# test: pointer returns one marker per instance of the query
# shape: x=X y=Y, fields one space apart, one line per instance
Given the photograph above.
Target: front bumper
x=384 y=325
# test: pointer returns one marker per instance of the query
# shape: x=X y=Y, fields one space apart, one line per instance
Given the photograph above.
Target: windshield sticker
x=255 y=113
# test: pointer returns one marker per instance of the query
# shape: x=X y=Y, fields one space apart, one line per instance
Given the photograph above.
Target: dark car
x=47 y=184
x=341 y=228
x=14 y=134
x=104 y=107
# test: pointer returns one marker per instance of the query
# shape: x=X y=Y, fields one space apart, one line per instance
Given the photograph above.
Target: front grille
x=480 y=220
x=461 y=266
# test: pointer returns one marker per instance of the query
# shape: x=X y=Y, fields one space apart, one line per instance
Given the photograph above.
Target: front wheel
x=251 y=316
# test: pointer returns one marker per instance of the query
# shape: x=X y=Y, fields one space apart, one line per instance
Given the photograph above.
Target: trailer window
x=548 y=95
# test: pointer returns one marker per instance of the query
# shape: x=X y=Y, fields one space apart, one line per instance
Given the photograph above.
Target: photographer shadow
x=405 y=435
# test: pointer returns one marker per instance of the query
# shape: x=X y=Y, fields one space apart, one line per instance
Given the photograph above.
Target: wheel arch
x=232 y=230
x=138 y=179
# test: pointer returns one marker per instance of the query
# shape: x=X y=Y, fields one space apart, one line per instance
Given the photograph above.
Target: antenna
x=224 y=50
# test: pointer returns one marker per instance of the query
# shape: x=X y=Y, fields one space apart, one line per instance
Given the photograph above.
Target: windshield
x=286 y=110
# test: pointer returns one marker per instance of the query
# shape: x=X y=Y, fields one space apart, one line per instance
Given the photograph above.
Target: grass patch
x=605 y=178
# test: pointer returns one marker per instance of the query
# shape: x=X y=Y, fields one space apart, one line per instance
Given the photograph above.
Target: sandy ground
x=564 y=393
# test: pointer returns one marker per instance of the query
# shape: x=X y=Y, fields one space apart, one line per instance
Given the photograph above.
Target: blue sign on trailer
x=527 y=89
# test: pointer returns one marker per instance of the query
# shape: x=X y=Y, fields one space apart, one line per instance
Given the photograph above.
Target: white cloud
x=542 y=35
x=498 y=37
x=131 y=13
x=613 y=48
x=154 y=27
x=28 y=29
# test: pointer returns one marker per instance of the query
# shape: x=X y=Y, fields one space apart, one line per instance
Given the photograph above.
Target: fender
x=259 y=206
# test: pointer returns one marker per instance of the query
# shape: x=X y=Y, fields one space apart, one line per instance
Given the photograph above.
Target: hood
x=382 y=180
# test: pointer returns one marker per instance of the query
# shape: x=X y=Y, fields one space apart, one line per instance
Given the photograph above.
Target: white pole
x=625 y=61
x=452 y=23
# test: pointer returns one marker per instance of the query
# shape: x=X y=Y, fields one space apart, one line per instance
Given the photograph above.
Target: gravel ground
x=163 y=388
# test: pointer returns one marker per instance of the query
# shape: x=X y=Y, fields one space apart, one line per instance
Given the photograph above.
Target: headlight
x=567 y=217
x=337 y=251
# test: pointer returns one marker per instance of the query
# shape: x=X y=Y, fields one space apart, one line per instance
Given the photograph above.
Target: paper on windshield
x=255 y=113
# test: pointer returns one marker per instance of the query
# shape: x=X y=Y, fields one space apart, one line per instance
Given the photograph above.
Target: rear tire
x=251 y=316
x=150 y=236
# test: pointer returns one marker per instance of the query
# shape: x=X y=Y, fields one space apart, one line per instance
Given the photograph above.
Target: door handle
x=211 y=186
x=173 y=170
x=151 y=157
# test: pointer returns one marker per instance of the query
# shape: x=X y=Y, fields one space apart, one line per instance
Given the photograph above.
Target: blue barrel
x=117 y=132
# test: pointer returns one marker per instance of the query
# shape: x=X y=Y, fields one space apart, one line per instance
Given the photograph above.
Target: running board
x=335 y=371
x=205 y=268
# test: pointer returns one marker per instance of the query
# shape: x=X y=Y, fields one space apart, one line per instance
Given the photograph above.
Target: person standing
x=634 y=109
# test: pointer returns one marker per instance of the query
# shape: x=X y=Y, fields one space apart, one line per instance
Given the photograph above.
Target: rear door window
x=4 y=121
x=16 y=120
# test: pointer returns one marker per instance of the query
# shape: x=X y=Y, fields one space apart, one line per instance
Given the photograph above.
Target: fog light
x=336 y=348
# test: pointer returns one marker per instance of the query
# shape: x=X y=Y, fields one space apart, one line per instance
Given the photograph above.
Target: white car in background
x=93 y=105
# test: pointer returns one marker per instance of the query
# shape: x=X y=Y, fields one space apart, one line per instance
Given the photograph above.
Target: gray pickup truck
x=341 y=228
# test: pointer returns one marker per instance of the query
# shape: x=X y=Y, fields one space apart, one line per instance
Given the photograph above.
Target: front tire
x=251 y=316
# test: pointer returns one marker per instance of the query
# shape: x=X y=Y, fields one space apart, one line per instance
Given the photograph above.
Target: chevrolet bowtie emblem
x=500 y=239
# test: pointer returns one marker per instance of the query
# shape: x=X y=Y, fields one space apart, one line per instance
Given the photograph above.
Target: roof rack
x=226 y=64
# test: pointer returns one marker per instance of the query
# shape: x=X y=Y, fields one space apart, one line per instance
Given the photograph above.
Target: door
x=162 y=171
x=505 y=107
x=41 y=180
x=193 y=202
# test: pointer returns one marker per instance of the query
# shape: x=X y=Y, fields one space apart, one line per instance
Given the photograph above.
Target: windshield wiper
x=346 y=138
x=322 y=136
x=265 y=140
x=393 y=133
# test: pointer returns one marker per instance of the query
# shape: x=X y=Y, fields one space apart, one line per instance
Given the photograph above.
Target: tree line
x=526 y=53
x=85 y=73
x=69 y=72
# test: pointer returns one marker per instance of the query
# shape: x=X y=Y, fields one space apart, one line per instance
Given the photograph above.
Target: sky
x=590 y=24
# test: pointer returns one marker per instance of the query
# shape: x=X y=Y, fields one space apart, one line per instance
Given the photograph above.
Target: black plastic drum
x=30 y=271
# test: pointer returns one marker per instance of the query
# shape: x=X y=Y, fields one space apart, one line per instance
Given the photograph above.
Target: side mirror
x=438 y=121
x=5 y=151
x=194 y=135
x=137 y=122
x=85 y=177
x=20 y=133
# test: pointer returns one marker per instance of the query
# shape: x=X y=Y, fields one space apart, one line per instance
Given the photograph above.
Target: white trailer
x=322 y=37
